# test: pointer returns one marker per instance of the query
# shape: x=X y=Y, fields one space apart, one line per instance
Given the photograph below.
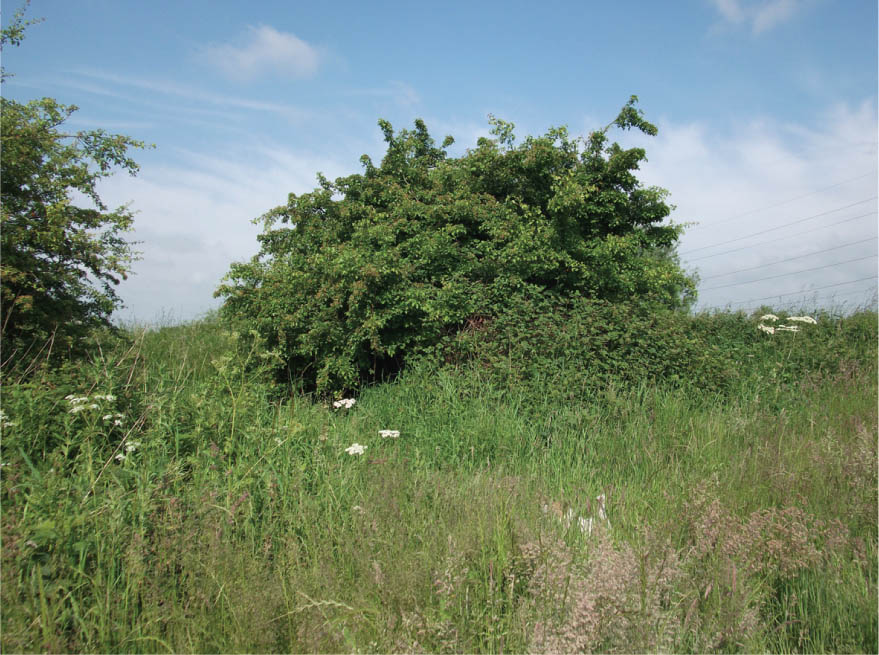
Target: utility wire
x=782 y=261
x=782 y=203
x=772 y=229
x=784 y=238
x=871 y=289
x=794 y=293
x=805 y=270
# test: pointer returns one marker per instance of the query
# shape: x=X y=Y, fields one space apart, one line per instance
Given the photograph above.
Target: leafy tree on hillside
x=59 y=260
x=360 y=274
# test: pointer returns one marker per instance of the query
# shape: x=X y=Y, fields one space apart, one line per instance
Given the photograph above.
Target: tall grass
x=222 y=514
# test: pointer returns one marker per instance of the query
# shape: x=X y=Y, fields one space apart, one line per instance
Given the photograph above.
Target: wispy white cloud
x=758 y=15
x=264 y=50
x=188 y=92
x=195 y=218
x=761 y=175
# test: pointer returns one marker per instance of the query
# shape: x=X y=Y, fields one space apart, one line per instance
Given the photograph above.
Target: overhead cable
x=782 y=203
x=784 y=238
x=790 y=259
x=794 y=293
x=778 y=227
x=805 y=270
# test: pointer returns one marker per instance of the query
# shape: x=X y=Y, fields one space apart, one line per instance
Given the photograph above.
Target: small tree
x=58 y=261
x=362 y=273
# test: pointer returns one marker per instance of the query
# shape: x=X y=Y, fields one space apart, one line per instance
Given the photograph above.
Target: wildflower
x=120 y=457
x=107 y=417
x=77 y=408
x=347 y=403
x=769 y=317
x=108 y=397
x=4 y=420
x=131 y=446
x=803 y=319
x=94 y=406
x=117 y=422
x=76 y=400
x=355 y=449
x=393 y=434
x=788 y=328
x=766 y=329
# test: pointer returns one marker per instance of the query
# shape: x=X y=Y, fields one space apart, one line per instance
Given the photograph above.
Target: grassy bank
x=166 y=497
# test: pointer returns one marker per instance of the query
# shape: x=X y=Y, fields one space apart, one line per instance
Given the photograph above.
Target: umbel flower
x=393 y=434
x=347 y=403
x=355 y=449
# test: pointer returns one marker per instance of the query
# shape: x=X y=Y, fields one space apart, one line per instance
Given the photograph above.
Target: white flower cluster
x=80 y=403
x=4 y=420
x=130 y=447
x=116 y=418
x=357 y=449
x=772 y=329
x=347 y=403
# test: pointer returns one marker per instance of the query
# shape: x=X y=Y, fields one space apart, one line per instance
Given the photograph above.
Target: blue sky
x=767 y=111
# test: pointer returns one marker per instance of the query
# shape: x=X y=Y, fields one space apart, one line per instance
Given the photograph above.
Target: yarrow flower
x=393 y=434
x=4 y=420
x=355 y=449
x=804 y=319
x=347 y=403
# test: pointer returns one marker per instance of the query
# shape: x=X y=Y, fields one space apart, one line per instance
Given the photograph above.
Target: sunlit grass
x=240 y=523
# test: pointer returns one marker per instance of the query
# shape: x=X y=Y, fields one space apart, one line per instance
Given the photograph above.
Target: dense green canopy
x=366 y=271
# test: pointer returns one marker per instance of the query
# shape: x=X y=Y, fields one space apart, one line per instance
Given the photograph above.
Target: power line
x=782 y=203
x=782 y=261
x=805 y=270
x=784 y=238
x=872 y=289
x=772 y=229
x=794 y=293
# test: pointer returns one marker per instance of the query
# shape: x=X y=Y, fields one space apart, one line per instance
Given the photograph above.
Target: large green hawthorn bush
x=359 y=275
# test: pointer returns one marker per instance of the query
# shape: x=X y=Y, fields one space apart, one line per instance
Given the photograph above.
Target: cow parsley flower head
x=120 y=457
x=803 y=319
x=788 y=328
x=766 y=329
x=393 y=434
x=355 y=449
x=347 y=403
x=769 y=317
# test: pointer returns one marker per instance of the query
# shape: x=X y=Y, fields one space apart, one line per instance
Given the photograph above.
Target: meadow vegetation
x=165 y=494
